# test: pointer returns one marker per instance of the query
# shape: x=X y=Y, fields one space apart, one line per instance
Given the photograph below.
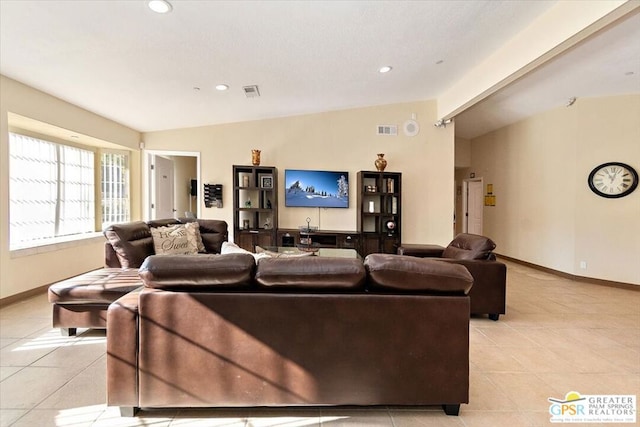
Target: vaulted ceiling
x=153 y=72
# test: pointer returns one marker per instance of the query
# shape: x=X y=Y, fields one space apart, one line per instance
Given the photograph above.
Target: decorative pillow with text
x=173 y=240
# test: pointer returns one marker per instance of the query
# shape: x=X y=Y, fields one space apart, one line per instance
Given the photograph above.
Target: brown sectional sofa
x=221 y=331
x=82 y=301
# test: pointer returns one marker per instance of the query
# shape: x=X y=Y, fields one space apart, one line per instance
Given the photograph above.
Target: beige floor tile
x=588 y=361
x=627 y=359
x=153 y=418
x=27 y=388
x=588 y=337
x=507 y=337
x=210 y=418
x=7 y=371
x=23 y=353
x=10 y=416
x=526 y=390
x=485 y=395
x=538 y=359
x=496 y=418
x=85 y=389
x=620 y=336
x=15 y=327
x=74 y=353
x=7 y=341
x=374 y=417
x=489 y=359
x=55 y=418
x=283 y=419
x=412 y=418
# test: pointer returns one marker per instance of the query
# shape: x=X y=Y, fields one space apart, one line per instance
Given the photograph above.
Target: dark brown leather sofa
x=475 y=252
x=82 y=301
x=219 y=331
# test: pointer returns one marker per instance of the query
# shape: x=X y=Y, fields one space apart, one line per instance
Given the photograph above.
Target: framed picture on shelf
x=266 y=180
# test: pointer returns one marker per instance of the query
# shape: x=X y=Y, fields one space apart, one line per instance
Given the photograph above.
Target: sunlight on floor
x=53 y=339
x=103 y=415
x=75 y=416
x=288 y=421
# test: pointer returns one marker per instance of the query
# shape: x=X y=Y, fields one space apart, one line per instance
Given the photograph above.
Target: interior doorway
x=167 y=187
x=162 y=188
x=472 y=206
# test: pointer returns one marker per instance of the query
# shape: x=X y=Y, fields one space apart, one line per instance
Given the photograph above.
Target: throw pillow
x=173 y=240
x=272 y=254
x=232 y=248
x=193 y=234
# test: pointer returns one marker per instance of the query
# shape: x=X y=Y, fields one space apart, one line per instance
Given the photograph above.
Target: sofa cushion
x=174 y=240
x=411 y=274
x=310 y=273
x=102 y=286
x=469 y=246
x=131 y=241
x=197 y=272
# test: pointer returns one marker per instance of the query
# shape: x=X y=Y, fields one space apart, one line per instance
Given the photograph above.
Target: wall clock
x=613 y=180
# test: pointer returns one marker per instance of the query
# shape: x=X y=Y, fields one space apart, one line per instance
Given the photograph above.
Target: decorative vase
x=380 y=162
x=255 y=157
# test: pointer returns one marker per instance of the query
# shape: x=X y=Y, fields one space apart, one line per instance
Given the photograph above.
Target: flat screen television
x=316 y=189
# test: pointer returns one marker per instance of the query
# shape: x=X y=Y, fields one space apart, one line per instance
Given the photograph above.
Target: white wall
x=545 y=212
x=23 y=273
x=341 y=140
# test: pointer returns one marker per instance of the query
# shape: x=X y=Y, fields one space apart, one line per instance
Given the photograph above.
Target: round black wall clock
x=613 y=180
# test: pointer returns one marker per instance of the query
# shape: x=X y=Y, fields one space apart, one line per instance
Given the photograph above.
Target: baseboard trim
x=23 y=295
x=602 y=282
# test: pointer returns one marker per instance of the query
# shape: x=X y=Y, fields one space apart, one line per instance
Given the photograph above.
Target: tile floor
x=558 y=336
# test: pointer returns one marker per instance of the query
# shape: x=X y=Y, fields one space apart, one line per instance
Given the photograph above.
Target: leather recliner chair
x=488 y=295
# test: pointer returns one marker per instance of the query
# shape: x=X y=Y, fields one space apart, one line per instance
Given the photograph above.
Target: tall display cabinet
x=255 y=206
x=379 y=211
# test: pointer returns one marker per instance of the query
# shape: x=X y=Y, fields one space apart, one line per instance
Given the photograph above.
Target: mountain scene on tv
x=321 y=189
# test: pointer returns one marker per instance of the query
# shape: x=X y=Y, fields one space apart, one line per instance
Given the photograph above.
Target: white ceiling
x=124 y=62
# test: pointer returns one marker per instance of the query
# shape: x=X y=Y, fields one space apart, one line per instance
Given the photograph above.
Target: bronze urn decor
x=255 y=157
x=380 y=162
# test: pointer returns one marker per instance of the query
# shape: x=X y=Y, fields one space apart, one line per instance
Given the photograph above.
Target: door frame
x=146 y=177
x=465 y=202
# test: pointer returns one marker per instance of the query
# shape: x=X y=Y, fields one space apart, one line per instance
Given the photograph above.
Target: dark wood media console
x=320 y=238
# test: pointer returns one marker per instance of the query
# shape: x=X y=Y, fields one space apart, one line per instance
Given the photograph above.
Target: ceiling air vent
x=251 y=91
x=391 y=130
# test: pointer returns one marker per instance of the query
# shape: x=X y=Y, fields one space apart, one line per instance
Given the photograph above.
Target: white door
x=475 y=203
x=162 y=205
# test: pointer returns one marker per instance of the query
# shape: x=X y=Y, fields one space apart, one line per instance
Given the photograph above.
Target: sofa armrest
x=122 y=351
x=488 y=295
x=422 y=251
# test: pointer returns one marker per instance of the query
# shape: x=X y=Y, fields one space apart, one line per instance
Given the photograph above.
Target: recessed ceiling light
x=160 y=6
x=629 y=73
x=385 y=69
x=222 y=87
x=196 y=88
x=439 y=61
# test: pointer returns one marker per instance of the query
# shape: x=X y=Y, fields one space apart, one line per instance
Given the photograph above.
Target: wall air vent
x=391 y=130
x=251 y=91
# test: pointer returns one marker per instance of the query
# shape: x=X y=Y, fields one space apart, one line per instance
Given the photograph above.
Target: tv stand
x=322 y=238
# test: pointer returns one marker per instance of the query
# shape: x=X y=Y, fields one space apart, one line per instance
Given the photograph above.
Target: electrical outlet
x=583 y=265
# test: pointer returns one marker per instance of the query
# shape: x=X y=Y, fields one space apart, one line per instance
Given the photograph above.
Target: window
x=115 y=188
x=52 y=191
